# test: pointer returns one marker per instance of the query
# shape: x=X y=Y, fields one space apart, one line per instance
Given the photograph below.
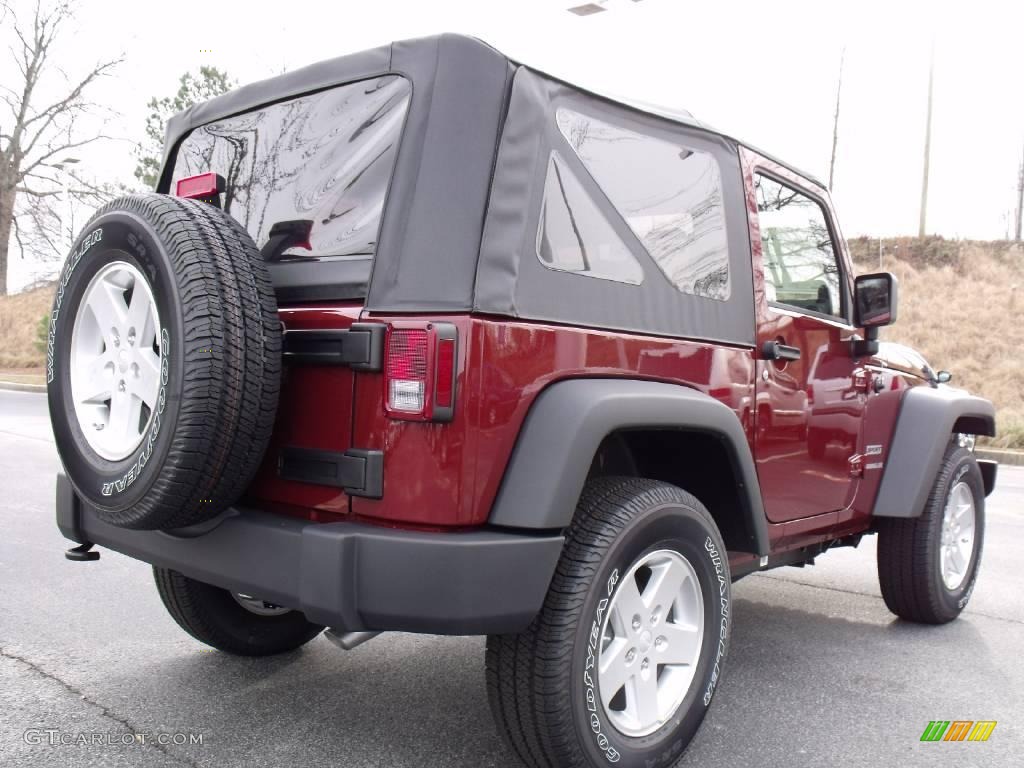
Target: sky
x=764 y=72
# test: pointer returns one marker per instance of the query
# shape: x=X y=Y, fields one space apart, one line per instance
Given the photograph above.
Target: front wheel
x=927 y=565
x=624 y=658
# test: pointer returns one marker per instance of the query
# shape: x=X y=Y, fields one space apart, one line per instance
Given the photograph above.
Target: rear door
x=810 y=391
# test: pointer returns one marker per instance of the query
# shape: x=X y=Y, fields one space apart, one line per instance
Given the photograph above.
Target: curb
x=14 y=386
x=1003 y=457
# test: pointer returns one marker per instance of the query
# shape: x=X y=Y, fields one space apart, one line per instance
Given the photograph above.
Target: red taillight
x=419 y=370
x=205 y=186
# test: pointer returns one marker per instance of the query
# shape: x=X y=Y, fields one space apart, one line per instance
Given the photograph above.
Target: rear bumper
x=345 y=575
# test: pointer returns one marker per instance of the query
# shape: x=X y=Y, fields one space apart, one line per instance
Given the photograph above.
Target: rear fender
x=567 y=424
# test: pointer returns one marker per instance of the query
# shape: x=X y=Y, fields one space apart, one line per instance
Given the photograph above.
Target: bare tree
x=35 y=139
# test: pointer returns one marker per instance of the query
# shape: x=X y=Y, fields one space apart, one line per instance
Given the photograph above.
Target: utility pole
x=927 y=144
x=67 y=225
x=1020 y=197
x=835 y=123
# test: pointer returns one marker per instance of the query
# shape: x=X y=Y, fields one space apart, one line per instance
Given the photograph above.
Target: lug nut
x=660 y=643
x=121 y=386
x=131 y=336
x=656 y=616
x=645 y=664
x=637 y=622
x=630 y=655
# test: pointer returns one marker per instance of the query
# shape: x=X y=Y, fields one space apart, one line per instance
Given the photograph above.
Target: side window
x=800 y=266
x=574 y=236
x=668 y=194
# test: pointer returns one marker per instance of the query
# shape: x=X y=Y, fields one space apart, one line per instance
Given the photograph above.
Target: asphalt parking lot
x=819 y=673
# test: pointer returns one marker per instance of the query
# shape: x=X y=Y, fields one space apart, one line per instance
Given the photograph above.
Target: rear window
x=326 y=158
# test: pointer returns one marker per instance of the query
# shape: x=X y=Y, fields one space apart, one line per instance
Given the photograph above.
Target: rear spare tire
x=163 y=362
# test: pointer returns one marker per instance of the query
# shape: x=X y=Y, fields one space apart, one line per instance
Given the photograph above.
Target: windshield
x=325 y=158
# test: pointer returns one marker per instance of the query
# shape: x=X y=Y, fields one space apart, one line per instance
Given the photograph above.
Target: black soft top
x=459 y=227
x=414 y=56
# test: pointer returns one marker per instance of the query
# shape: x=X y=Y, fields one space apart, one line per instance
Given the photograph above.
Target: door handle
x=774 y=350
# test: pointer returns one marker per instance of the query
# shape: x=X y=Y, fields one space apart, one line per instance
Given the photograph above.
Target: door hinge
x=360 y=347
x=358 y=472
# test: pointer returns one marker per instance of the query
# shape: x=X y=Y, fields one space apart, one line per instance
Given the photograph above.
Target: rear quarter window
x=670 y=195
x=326 y=158
x=573 y=235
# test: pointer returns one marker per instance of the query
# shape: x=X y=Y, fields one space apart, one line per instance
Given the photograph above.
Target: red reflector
x=202 y=186
x=445 y=384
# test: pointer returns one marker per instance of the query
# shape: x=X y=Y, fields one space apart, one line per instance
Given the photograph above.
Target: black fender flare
x=927 y=419
x=566 y=425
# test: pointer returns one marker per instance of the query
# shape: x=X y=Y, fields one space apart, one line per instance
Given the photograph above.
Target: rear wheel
x=235 y=623
x=622 y=662
x=927 y=565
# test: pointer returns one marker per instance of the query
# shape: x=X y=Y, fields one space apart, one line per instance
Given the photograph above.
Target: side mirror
x=876 y=299
x=875 y=303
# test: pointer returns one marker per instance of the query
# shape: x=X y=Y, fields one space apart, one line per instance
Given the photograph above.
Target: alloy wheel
x=115 y=360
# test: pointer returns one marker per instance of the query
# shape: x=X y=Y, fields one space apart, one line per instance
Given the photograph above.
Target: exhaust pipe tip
x=349 y=640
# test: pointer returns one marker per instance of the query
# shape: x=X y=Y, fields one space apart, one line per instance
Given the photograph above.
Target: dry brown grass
x=19 y=319
x=961 y=306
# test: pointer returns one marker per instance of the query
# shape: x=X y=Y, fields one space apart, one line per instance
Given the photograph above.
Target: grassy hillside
x=961 y=306
x=20 y=316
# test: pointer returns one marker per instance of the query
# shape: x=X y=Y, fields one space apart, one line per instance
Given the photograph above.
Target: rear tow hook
x=82 y=553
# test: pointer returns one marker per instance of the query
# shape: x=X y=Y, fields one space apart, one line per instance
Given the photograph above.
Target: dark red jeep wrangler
x=422 y=339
